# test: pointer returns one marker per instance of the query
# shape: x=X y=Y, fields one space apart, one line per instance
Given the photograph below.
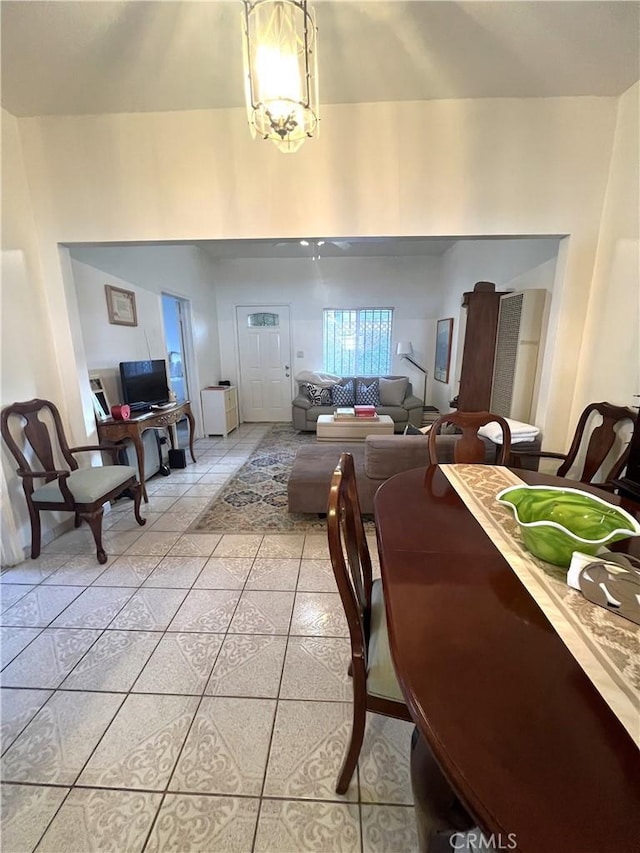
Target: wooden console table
x=117 y=431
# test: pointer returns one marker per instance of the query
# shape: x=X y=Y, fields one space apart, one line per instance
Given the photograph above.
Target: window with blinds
x=357 y=341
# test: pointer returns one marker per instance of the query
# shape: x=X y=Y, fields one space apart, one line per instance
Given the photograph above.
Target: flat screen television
x=144 y=383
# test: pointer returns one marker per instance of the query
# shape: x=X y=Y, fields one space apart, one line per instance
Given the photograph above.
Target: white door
x=265 y=362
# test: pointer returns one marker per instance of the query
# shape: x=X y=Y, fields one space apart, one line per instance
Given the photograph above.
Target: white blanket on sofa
x=519 y=432
x=316 y=377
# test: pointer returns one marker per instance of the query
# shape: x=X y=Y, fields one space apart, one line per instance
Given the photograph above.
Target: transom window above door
x=263 y=318
x=357 y=341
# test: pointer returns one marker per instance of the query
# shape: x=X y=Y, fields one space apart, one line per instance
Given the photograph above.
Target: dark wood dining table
x=522 y=735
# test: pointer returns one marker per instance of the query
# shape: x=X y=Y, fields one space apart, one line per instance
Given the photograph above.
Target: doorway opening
x=176 y=337
x=174 y=312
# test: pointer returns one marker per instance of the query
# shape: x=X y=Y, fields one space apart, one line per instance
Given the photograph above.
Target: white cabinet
x=219 y=409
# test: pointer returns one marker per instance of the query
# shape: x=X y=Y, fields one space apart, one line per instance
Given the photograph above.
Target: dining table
x=525 y=739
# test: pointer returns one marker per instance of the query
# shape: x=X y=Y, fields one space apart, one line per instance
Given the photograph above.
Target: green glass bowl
x=555 y=521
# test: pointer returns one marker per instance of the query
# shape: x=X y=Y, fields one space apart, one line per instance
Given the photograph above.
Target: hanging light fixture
x=281 y=71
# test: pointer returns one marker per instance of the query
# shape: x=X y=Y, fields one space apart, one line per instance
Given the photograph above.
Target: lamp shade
x=404 y=348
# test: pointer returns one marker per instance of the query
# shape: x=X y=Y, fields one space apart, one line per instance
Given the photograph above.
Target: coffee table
x=352 y=429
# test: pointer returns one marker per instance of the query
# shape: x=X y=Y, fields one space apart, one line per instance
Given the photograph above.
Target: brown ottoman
x=310 y=478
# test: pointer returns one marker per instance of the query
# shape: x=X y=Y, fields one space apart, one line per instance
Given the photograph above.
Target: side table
x=117 y=431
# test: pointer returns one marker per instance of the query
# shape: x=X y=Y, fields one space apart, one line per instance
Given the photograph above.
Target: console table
x=117 y=431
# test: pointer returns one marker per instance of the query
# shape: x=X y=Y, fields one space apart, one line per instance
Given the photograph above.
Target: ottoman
x=310 y=478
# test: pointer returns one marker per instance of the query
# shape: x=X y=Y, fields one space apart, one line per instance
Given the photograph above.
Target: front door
x=265 y=362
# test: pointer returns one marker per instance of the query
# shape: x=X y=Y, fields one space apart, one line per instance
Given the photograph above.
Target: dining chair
x=35 y=436
x=595 y=435
x=469 y=447
x=375 y=686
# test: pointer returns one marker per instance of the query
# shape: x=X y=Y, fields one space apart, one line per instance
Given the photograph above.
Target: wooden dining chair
x=34 y=434
x=594 y=437
x=375 y=686
x=469 y=447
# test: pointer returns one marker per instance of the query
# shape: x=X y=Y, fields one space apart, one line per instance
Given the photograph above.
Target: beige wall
x=609 y=364
x=443 y=168
x=29 y=364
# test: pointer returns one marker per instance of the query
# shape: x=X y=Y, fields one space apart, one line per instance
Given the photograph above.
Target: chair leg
x=94 y=520
x=357 y=736
x=137 y=499
x=34 y=515
x=77 y=520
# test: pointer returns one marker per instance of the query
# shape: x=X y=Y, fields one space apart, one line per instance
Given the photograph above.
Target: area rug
x=255 y=499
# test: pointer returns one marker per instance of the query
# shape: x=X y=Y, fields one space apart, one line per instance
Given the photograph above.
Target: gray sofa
x=376 y=459
x=396 y=400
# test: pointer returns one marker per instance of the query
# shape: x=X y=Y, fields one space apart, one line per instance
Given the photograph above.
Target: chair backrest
x=470 y=447
x=600 y=441
x=350 y=554
x=42 y=436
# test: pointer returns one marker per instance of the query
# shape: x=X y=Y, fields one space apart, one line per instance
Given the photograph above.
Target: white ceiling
x=99 y=57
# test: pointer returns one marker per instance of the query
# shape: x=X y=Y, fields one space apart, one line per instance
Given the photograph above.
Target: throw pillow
x=393 y=391
x=367 y=395
x=343 y=395
x=318 y=396
x=410 y=429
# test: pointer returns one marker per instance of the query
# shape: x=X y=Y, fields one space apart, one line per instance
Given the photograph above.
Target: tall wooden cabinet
x=476 y=376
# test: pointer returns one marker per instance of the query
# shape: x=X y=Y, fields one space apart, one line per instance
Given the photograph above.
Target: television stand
x=117 y=431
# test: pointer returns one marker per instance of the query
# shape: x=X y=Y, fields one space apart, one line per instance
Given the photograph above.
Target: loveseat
x=376 y=459
x=395 y=395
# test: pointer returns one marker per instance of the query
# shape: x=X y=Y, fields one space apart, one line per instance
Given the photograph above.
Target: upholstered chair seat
x=381 y=676
x=86 y=485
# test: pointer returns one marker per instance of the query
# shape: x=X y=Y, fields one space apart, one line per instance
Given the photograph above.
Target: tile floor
x=192 y=694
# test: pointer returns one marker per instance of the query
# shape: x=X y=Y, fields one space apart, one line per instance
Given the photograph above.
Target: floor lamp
x=405 y=350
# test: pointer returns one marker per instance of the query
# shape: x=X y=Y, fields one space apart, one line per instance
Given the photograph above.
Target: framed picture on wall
x=443 y=349
x=121 y=305
x=100 y=402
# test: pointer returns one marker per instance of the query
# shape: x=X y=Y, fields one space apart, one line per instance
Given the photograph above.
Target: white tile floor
x=192 y=694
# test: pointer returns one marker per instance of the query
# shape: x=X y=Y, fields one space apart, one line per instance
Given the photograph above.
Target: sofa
x=376 y=459
x=395 y=393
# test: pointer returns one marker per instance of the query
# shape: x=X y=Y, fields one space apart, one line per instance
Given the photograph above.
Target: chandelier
x=281 y=71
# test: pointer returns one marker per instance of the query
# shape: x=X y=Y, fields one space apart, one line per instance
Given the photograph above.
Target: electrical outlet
x=300 y=354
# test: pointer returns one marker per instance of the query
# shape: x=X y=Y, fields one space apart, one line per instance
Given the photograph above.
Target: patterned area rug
x=255 y=499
